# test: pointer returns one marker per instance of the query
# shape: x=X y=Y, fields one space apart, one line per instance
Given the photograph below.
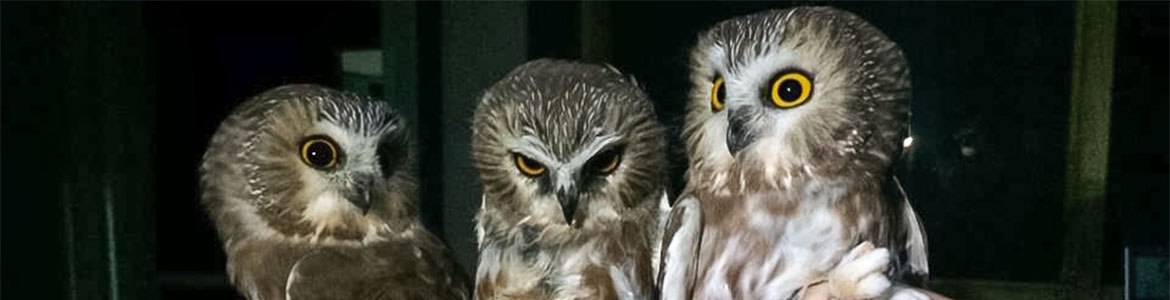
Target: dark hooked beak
x=359 y=194
x=568 y=199
x=738 y=135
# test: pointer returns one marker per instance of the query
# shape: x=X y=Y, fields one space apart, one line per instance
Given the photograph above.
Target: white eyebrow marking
x=536 y=149
x=561 y=173
x=596 y=145
x=532 y=147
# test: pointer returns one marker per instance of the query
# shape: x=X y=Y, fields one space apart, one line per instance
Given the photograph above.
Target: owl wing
x=915 y=237
x=390 y=270
x=681 y=238
x=663 y=212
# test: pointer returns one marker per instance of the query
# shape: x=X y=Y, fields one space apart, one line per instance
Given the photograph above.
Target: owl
x=311 y=192
x=572 y=162
x=793 y=121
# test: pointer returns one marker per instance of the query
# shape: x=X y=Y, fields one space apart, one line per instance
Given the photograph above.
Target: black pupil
x=789 y=90
x=602 y=161
x=319 y=154
x=532 y=164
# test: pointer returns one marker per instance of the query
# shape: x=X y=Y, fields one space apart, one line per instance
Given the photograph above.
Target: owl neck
x=737 y=178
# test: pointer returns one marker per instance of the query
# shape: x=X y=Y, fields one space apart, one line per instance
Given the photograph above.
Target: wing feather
x=420 y=269
x=915 y=240
x=681 y=238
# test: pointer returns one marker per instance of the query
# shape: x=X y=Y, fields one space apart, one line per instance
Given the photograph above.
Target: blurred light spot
x=907 y=142
x=967 y=151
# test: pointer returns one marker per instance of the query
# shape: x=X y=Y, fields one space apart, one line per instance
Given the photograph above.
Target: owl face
x=786 y=90
x=319 y=163
x=565 y=145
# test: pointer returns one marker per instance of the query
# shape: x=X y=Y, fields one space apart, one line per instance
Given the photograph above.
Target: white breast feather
x=801 y=251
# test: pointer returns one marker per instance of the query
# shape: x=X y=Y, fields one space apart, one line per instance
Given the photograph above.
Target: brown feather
x=812 y=181
x=259 y=193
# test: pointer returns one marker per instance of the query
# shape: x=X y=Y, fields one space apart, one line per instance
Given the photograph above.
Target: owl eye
x=606 y=162
x=790 y=89
x=717 y=94
x=528 y=166
x=319 y=152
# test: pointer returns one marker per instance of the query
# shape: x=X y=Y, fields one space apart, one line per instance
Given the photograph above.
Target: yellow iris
x=319 y=153
x=791 y=89
x=528 y=166
x=717 y=93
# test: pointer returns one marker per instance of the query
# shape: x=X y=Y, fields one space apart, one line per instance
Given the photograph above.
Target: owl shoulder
x=397 y=269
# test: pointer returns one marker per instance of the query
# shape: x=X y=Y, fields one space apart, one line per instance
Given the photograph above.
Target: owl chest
x=260 y=268
x=581 y=272
x=770 y=252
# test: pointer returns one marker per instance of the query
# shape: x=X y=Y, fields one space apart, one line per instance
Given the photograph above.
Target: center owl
x=572 y=162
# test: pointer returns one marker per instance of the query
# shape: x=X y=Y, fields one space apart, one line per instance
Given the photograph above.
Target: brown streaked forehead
x=569 y=104
x=748 y=36
x=356 y=113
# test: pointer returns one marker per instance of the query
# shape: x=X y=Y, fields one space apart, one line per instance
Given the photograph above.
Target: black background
x=133 y=100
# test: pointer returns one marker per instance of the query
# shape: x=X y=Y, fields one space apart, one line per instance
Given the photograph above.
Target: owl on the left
x=311 y=192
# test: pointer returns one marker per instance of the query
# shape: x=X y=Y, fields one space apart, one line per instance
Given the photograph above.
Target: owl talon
x=861 y=273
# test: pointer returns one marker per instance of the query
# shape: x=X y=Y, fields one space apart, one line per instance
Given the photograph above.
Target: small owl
x=311 y=192
x=794 y=119
x=572 y=163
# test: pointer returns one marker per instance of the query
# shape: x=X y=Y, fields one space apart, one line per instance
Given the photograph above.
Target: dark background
x=108 y=107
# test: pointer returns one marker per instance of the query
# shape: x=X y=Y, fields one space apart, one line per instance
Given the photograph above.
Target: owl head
x=566 y=145
x=304 y=161
x=808 y=89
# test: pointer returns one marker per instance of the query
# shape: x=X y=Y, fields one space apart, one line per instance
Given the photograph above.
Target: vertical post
x=596 y=35
x=107 y=179
x=402 y=75
x=472 y=57
x=399 y=31
x=1088 y=148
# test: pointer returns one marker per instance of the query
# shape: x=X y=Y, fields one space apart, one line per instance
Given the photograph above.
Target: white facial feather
x=562 y=115
x=275 y=209
x=799 y=192
x=359 y=149
x=326 y=207
x=563 y=175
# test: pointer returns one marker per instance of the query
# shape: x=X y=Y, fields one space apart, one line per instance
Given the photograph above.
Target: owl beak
x=360 y=198
x=738 y=135
x=568 y=199
x=359 y=194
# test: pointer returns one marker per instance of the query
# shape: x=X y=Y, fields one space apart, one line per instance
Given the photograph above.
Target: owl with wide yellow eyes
x=572 y=163
x=313 y=194
x=793 y=122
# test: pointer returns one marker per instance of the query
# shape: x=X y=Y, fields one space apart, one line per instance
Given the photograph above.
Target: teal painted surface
x=472 y=57
x=78 y=121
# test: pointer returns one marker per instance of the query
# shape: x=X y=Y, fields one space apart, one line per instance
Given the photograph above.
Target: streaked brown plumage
x=794 y=119
x=556 y=221
x=311 y=192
